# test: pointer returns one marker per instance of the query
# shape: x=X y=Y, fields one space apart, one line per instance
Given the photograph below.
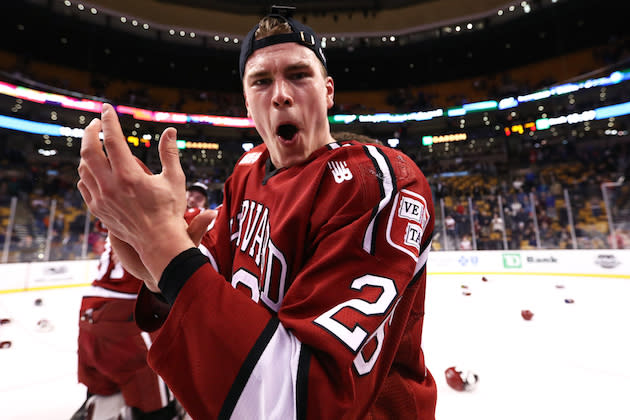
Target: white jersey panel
x=270 y=392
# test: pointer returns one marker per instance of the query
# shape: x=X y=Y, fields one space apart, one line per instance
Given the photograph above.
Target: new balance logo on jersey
x=250 y=158
x=340 y=171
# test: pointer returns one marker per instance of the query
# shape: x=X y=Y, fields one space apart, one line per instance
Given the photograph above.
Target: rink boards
x=570 y=263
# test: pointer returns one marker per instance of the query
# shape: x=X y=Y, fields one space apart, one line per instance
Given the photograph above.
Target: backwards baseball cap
x=302 y=34
x=199 y=187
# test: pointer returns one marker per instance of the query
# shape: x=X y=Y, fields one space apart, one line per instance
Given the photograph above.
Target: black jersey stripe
x=247 y=367
x=301 y=385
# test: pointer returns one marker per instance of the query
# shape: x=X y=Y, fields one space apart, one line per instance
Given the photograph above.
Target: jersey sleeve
x=328 y=350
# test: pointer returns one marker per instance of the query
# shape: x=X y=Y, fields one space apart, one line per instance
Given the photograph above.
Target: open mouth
x=287 y=131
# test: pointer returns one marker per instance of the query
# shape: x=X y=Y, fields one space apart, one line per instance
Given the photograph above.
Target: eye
x=299 y=75
x=261 y=82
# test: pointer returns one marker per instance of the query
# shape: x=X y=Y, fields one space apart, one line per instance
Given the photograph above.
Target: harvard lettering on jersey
x=329 y=257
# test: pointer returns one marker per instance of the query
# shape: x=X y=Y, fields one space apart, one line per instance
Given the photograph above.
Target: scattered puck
x=5 y=344
x=44 y=325
x=5 y=321
x=559 y=286
x=527 y=314
x=459 y=380
x=484 y=279
x=464 y=286
x=569 y=301
x=38 y=302
x=466 y=293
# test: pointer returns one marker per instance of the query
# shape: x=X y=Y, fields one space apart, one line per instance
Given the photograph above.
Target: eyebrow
x=300 y=65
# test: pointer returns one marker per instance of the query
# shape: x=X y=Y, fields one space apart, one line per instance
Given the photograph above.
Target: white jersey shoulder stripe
x=386 y=179
x=95 y=291
x=205 y=251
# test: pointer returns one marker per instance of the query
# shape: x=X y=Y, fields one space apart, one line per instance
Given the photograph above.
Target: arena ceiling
x=326 y=16
x=479 y=42
x=256 y=7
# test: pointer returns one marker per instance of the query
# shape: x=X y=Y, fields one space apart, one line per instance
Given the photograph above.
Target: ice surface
x=568 y=362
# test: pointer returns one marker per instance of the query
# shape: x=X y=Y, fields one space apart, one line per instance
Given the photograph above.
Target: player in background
x=112 y=351
x=197 y=196
x=311 y=303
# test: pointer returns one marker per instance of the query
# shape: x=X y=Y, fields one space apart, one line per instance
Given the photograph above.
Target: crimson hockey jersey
x=112 y=277
x=329 y=260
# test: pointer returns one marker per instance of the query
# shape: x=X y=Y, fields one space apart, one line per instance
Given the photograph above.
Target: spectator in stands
x=451 y=231
x=465 y=244
x=497 y=223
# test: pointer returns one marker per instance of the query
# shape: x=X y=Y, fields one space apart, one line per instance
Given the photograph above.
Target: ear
x=330 y=92
x=249 y=115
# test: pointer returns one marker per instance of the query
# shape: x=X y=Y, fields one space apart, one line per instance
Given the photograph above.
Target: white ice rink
x=569 y=362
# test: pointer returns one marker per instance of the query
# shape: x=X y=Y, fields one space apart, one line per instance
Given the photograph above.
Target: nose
x=282 y=94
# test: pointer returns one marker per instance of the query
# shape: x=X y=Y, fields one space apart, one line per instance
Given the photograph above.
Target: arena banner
x=13 y=276
x=588 y=263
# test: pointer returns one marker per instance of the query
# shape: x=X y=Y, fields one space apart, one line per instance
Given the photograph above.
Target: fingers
x=93 y=161
x=129 y=258
x=117 y=150
x=143 y=166
x=87 y=197
x=169 y=156
x=199 y=225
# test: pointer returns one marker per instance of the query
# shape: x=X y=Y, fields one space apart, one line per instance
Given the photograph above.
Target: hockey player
x=311 y=302
x=197 y=196
x=112 y=351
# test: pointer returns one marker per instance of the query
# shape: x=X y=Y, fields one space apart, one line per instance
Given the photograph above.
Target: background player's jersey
x=333 y=251
x=112 y=277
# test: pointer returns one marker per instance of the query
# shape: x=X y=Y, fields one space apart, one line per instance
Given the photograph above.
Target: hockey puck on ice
x=4 y=321
x=5 y=344
x=559 y=286
x=527 y=314
x=569 y=301
x=463 y=286
x=484 y=279
x=38 y=302
x=44 y=325
x=460 y=380
x=466 y=293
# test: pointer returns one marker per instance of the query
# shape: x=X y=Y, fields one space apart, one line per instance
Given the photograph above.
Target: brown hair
x=346 y=135
x=270 y=25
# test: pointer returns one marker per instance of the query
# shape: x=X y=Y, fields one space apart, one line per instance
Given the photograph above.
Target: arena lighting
x=27 y=126
x=393 y=142
x=480 y=106
x=398 y=118
x=545 y=123
x=136 y=141
x=456 y=112
x=341 y=118
x=447 y=138
x=239 y=122
x=187 y=144
x=521 y=128
x=41 y=128
x=507 y=103
x=612 y=111
x=47 y=153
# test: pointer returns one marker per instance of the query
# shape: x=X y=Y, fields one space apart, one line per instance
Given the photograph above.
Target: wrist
x=158 y=249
